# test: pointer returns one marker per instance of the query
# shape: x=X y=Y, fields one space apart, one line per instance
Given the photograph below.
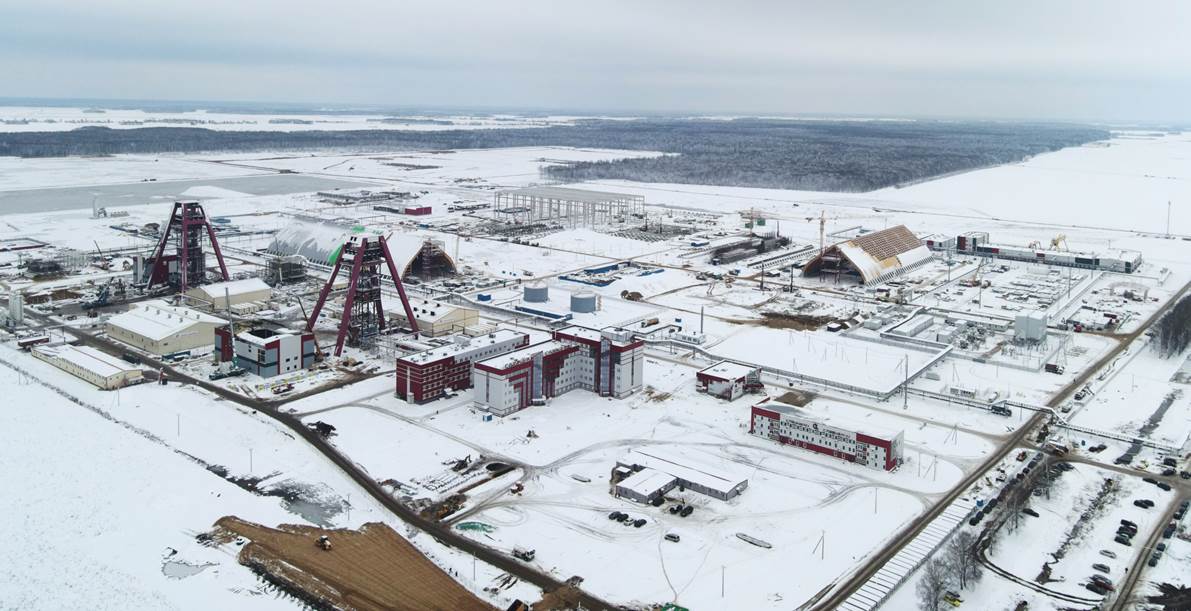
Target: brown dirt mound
x=799 y=322
x=370 y=568
x=797 y=398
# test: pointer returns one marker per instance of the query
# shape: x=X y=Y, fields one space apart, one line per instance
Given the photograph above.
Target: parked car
x=1149 y=480
x=1168 y=472
x=1164 y=486
x=1143 y=503
x=614 y=515
x=1128 y=523
x=638 y=523
x=1103 y=568
x=1185 y=474
x=1103 y=581
x=676 y=508
x=672 y=537
x=686 y=511
x=1123 y=540
x=1030 y=512
x=1169 y=461
x=1096 y=588
x=1108 y=553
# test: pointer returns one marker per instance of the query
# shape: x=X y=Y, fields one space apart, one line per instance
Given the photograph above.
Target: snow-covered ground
x=133 y=479
x=794 y=497
x=47 y=119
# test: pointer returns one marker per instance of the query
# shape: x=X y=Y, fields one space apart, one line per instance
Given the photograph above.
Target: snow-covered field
x=47 y=119
x=127 y=492
x=113 y=482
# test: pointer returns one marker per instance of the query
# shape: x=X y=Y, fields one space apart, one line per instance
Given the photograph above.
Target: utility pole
x=1168 y=218
x=906 y=385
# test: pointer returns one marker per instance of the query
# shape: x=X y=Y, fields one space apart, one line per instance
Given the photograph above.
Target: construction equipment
x=324 y=543
x=1059 y=242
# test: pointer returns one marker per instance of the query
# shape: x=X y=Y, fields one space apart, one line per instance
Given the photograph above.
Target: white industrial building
x=160 y=328
x=436 y=319
x=102 y=370
x=266 y=352
x=728 y=380
x=644 y=475
x=220 y=296
x=1030 y=327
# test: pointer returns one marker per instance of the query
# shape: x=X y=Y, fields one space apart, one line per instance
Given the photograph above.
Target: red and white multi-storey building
x=427 y=375
x=789 y=425
x=609 y=363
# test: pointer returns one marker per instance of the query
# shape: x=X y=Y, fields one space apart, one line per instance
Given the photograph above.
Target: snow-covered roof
x=260 y=337
x=89 y=359
x=158 y=320
x=685 y=467
x=463 y=347
x=646 y=481
x=232 y=288
x=503 y=361
x=727 y=370
x=830 y=421
x=426 y=310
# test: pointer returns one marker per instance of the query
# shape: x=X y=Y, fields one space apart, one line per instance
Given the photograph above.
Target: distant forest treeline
x=794 y=154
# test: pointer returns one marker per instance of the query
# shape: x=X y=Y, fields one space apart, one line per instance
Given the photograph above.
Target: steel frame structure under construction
x=363 y=314
x=187 y=267
x=574 y=207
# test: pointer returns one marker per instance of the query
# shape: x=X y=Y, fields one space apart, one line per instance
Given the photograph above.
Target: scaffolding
x=573 y=207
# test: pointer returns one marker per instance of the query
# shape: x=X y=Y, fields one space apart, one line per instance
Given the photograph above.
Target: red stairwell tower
x=187 y=266
x=363 y=317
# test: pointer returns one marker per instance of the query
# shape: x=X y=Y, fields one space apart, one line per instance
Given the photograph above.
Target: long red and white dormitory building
x=861 y=444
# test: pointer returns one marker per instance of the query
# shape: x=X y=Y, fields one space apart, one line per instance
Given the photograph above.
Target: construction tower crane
x=822 y=229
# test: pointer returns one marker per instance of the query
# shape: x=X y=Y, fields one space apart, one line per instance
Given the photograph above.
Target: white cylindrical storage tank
x=583 y=302
x=537 y=293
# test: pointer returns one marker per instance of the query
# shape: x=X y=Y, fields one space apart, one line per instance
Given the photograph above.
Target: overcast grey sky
x=1086 y=59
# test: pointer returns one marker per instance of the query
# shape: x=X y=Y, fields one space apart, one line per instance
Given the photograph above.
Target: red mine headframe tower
x=187 y=265
x=363 y=317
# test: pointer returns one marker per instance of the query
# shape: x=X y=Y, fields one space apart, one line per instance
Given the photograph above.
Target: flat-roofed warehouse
x=102 y=370
x=220 y=296
x=870 y=258
x=574 y=207
x=160 y=328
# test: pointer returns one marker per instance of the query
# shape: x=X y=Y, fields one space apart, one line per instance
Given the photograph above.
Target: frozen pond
x=138 y=193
